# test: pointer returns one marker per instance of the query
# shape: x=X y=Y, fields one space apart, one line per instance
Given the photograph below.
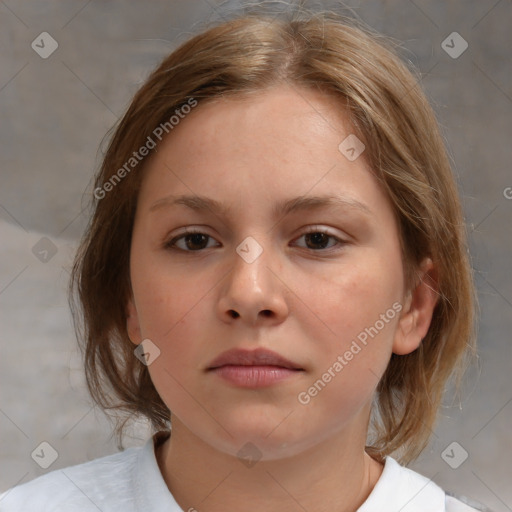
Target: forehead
x=279 y=117
x=260 y=146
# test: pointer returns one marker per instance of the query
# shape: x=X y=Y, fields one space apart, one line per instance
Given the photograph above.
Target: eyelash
x=170 y=245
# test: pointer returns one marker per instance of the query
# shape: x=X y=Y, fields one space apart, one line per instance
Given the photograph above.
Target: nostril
x=233 y=314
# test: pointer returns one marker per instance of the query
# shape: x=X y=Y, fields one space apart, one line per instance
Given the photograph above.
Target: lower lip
x=254 y=376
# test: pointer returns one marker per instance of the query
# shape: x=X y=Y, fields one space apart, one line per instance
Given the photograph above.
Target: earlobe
x=417 y=313
x=132 y=323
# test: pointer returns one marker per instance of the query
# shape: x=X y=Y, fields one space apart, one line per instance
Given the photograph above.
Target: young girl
x=276 y=272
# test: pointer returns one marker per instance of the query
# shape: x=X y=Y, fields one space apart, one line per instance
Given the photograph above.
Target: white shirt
x=130 y=481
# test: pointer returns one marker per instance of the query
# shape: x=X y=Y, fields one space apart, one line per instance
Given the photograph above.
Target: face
x=319 y=283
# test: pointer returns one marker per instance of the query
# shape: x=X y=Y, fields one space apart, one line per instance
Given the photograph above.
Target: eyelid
x=319 y=229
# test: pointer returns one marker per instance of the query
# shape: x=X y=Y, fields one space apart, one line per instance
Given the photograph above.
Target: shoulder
x=81 y=487
x=402 y=489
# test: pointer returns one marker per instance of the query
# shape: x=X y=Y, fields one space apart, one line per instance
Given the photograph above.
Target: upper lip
x=258 y=357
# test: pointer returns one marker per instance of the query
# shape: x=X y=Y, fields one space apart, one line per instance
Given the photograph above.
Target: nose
x=252 y=292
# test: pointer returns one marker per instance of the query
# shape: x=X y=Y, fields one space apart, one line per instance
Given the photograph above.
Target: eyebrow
x=295 y=204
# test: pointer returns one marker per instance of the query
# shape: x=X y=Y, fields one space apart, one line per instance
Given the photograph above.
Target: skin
x=305 y=298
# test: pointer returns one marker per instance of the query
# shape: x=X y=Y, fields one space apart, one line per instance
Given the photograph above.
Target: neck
x=335 y=475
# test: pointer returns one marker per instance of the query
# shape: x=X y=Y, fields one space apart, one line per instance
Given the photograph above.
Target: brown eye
x=316 y=240
x=190 y=242
x=320 y=240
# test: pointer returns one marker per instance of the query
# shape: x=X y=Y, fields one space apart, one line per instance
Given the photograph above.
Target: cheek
x=165 y=300
x=350 y=341
x=350 y=297
x=175 y=310
x=173 y=314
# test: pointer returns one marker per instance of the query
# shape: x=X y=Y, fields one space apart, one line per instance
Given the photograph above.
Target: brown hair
x=404 y=148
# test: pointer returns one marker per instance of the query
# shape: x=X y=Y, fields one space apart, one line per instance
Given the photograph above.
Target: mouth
x=258 y=357
x=253 y=369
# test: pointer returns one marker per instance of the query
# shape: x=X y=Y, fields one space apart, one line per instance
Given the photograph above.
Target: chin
x=264 y=440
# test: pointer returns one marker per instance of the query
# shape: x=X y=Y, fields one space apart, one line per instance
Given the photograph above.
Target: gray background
x=55 y=113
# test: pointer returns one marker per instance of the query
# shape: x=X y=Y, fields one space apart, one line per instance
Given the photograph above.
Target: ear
x=418 y=310
x=132 y=322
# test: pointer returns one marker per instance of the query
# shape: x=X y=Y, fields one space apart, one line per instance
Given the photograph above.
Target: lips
x=254 y=369
x=258 y=357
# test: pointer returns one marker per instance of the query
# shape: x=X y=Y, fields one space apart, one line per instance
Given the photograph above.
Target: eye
x=317 y=239
x=192 y=241
x=195 y=241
